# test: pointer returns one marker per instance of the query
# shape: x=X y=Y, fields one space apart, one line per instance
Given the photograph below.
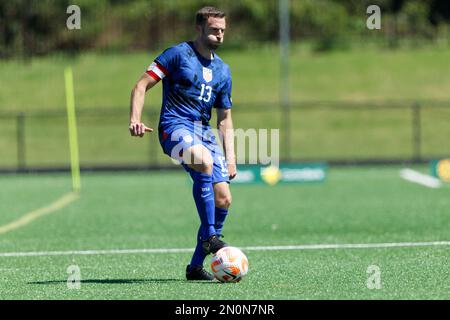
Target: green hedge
x=39 y=27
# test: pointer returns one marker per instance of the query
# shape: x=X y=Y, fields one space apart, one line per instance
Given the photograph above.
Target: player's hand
x=232 y=170
x=138 y=129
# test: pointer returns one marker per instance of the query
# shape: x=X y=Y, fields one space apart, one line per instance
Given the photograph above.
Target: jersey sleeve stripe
x=161 y=67
x=154 y=70
x=153 y=75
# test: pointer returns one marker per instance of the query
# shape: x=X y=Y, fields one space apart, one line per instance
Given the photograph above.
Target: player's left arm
x=226 y=131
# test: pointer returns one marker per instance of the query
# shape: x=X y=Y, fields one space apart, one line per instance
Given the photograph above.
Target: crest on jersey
x=207 y=74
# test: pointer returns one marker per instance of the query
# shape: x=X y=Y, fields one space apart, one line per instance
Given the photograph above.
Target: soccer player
x=195 y=80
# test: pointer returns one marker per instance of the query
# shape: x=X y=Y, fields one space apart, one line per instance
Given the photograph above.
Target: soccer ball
x=229 y=264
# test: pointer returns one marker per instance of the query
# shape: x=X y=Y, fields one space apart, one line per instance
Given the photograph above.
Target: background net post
x=21 y=154
x=417 y=132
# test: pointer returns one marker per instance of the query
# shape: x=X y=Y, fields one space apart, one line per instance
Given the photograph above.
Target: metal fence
x=337 y=132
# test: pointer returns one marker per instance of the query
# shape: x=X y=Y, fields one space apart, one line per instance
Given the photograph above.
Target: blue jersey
x=192 y=85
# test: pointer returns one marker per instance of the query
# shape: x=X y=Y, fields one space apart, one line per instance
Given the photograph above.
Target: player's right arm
x=160 y=68
x=136 y=127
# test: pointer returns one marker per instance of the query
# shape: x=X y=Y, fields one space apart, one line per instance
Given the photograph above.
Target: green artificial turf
x=155 y=210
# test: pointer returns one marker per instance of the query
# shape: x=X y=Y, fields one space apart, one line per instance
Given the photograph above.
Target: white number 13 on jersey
x=208 y=90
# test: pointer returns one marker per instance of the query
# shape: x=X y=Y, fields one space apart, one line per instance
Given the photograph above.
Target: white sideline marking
x=260 y=248
x=38 y=213
x=420 y=178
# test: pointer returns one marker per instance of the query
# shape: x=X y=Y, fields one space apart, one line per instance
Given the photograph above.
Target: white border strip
x=154 y=67
x=420 y=178
x=259 y=248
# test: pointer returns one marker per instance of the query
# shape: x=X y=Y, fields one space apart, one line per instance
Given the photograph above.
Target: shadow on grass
x=120 y=281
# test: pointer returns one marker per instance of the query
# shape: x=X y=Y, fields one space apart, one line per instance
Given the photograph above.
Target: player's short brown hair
x=204 y=13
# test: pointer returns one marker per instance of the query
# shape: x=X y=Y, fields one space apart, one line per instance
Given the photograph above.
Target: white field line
x=258 y=248
x=420 y=178
x=38 y=213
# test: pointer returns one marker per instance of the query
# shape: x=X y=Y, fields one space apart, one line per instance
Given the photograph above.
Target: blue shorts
x=174 y=141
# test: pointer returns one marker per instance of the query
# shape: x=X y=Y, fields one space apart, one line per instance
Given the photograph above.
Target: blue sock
x=204 y=200
x=221 y=215
x=199 y=255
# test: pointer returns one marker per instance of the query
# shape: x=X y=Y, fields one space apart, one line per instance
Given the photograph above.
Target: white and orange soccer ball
x=229 y=264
